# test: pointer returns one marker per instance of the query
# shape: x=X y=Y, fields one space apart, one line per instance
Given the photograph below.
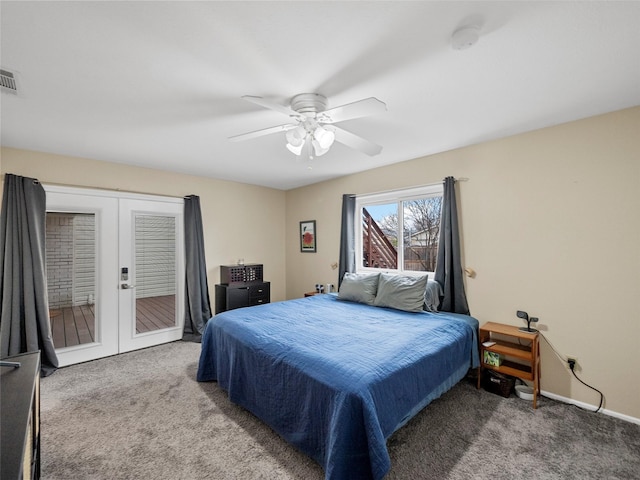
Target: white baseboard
x=588 y=406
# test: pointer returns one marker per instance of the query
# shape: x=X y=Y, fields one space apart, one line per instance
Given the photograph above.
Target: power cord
x=572 y=366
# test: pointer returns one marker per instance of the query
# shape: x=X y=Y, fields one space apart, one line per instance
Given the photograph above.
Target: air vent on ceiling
x=8 y=82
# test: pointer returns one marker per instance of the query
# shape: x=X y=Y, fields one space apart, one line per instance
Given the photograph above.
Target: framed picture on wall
x=308 y=236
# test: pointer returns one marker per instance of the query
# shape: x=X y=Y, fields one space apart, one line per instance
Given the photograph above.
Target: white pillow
x=361 y=288
x=402 y=292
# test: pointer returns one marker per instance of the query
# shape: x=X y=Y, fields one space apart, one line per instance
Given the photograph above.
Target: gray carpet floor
x=142 y=415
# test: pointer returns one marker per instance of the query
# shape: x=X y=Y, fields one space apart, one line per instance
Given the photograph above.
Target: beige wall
x=550 y=221
x=239 y=221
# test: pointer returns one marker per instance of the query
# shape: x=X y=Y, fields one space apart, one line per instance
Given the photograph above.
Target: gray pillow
x=402 y=292
x=432 y=296
x=359 y=287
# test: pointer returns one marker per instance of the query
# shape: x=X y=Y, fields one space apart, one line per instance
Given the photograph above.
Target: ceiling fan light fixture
x=311 y=130
x=318 y=149
x=297 y=149
x=324 y=138
x=296 y=136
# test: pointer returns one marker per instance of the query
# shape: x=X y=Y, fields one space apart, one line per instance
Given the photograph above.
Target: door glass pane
x=71 y=277
x=155 y=270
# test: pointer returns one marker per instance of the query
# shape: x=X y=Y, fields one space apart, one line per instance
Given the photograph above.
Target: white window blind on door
x=84 y=259
x=155 y=245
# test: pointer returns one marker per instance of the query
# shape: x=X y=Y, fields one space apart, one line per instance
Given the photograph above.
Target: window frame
x=383 y=198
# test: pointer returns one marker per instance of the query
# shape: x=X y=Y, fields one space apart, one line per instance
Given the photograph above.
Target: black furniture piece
x=20 y=417
x=241 y=286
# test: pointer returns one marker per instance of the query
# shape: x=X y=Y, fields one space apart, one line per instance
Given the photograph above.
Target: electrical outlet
x=572 y=359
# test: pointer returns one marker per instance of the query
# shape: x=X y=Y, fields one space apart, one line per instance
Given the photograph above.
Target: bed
x=336 y=378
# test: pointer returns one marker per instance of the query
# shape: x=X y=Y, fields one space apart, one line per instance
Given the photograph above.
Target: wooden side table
x=520 y=353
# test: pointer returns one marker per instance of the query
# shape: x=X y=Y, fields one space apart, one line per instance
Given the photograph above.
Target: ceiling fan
x=311 y=129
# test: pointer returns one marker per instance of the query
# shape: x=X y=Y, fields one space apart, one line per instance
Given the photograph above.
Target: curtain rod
x=35 y=180
x=53 y=184
x=112 y=190
x=461 y=179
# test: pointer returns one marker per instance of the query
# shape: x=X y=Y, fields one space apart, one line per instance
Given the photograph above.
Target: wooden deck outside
x=155 y=313
x=76 y=325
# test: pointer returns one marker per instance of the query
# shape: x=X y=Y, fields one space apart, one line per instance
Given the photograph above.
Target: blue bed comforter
x=337 y=378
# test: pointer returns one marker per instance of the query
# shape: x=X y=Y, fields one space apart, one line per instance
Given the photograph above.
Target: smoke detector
x=465 y=37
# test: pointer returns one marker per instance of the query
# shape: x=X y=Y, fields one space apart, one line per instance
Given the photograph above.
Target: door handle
x=126 y=286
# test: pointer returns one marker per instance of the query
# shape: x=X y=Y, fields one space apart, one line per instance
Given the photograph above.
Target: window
x=399 y=230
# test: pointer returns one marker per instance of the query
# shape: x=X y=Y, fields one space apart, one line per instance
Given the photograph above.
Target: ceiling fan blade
x=361 y=108
x=262 y=132
x=357 y=143
x=271 y=105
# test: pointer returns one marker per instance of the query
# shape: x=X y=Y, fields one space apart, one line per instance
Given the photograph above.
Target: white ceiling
x=158 y=84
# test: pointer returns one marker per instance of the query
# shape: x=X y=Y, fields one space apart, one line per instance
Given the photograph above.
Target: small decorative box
x=492 y=358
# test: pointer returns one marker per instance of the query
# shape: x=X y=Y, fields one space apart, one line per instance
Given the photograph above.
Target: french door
x=115 y=271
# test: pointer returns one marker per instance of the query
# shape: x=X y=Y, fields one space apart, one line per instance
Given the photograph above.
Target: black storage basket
x=234 y=274
x=498 y=383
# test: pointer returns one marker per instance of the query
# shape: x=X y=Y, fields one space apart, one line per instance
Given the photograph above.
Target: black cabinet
x=233 y=296
x=241 y=286
x=20 y=425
